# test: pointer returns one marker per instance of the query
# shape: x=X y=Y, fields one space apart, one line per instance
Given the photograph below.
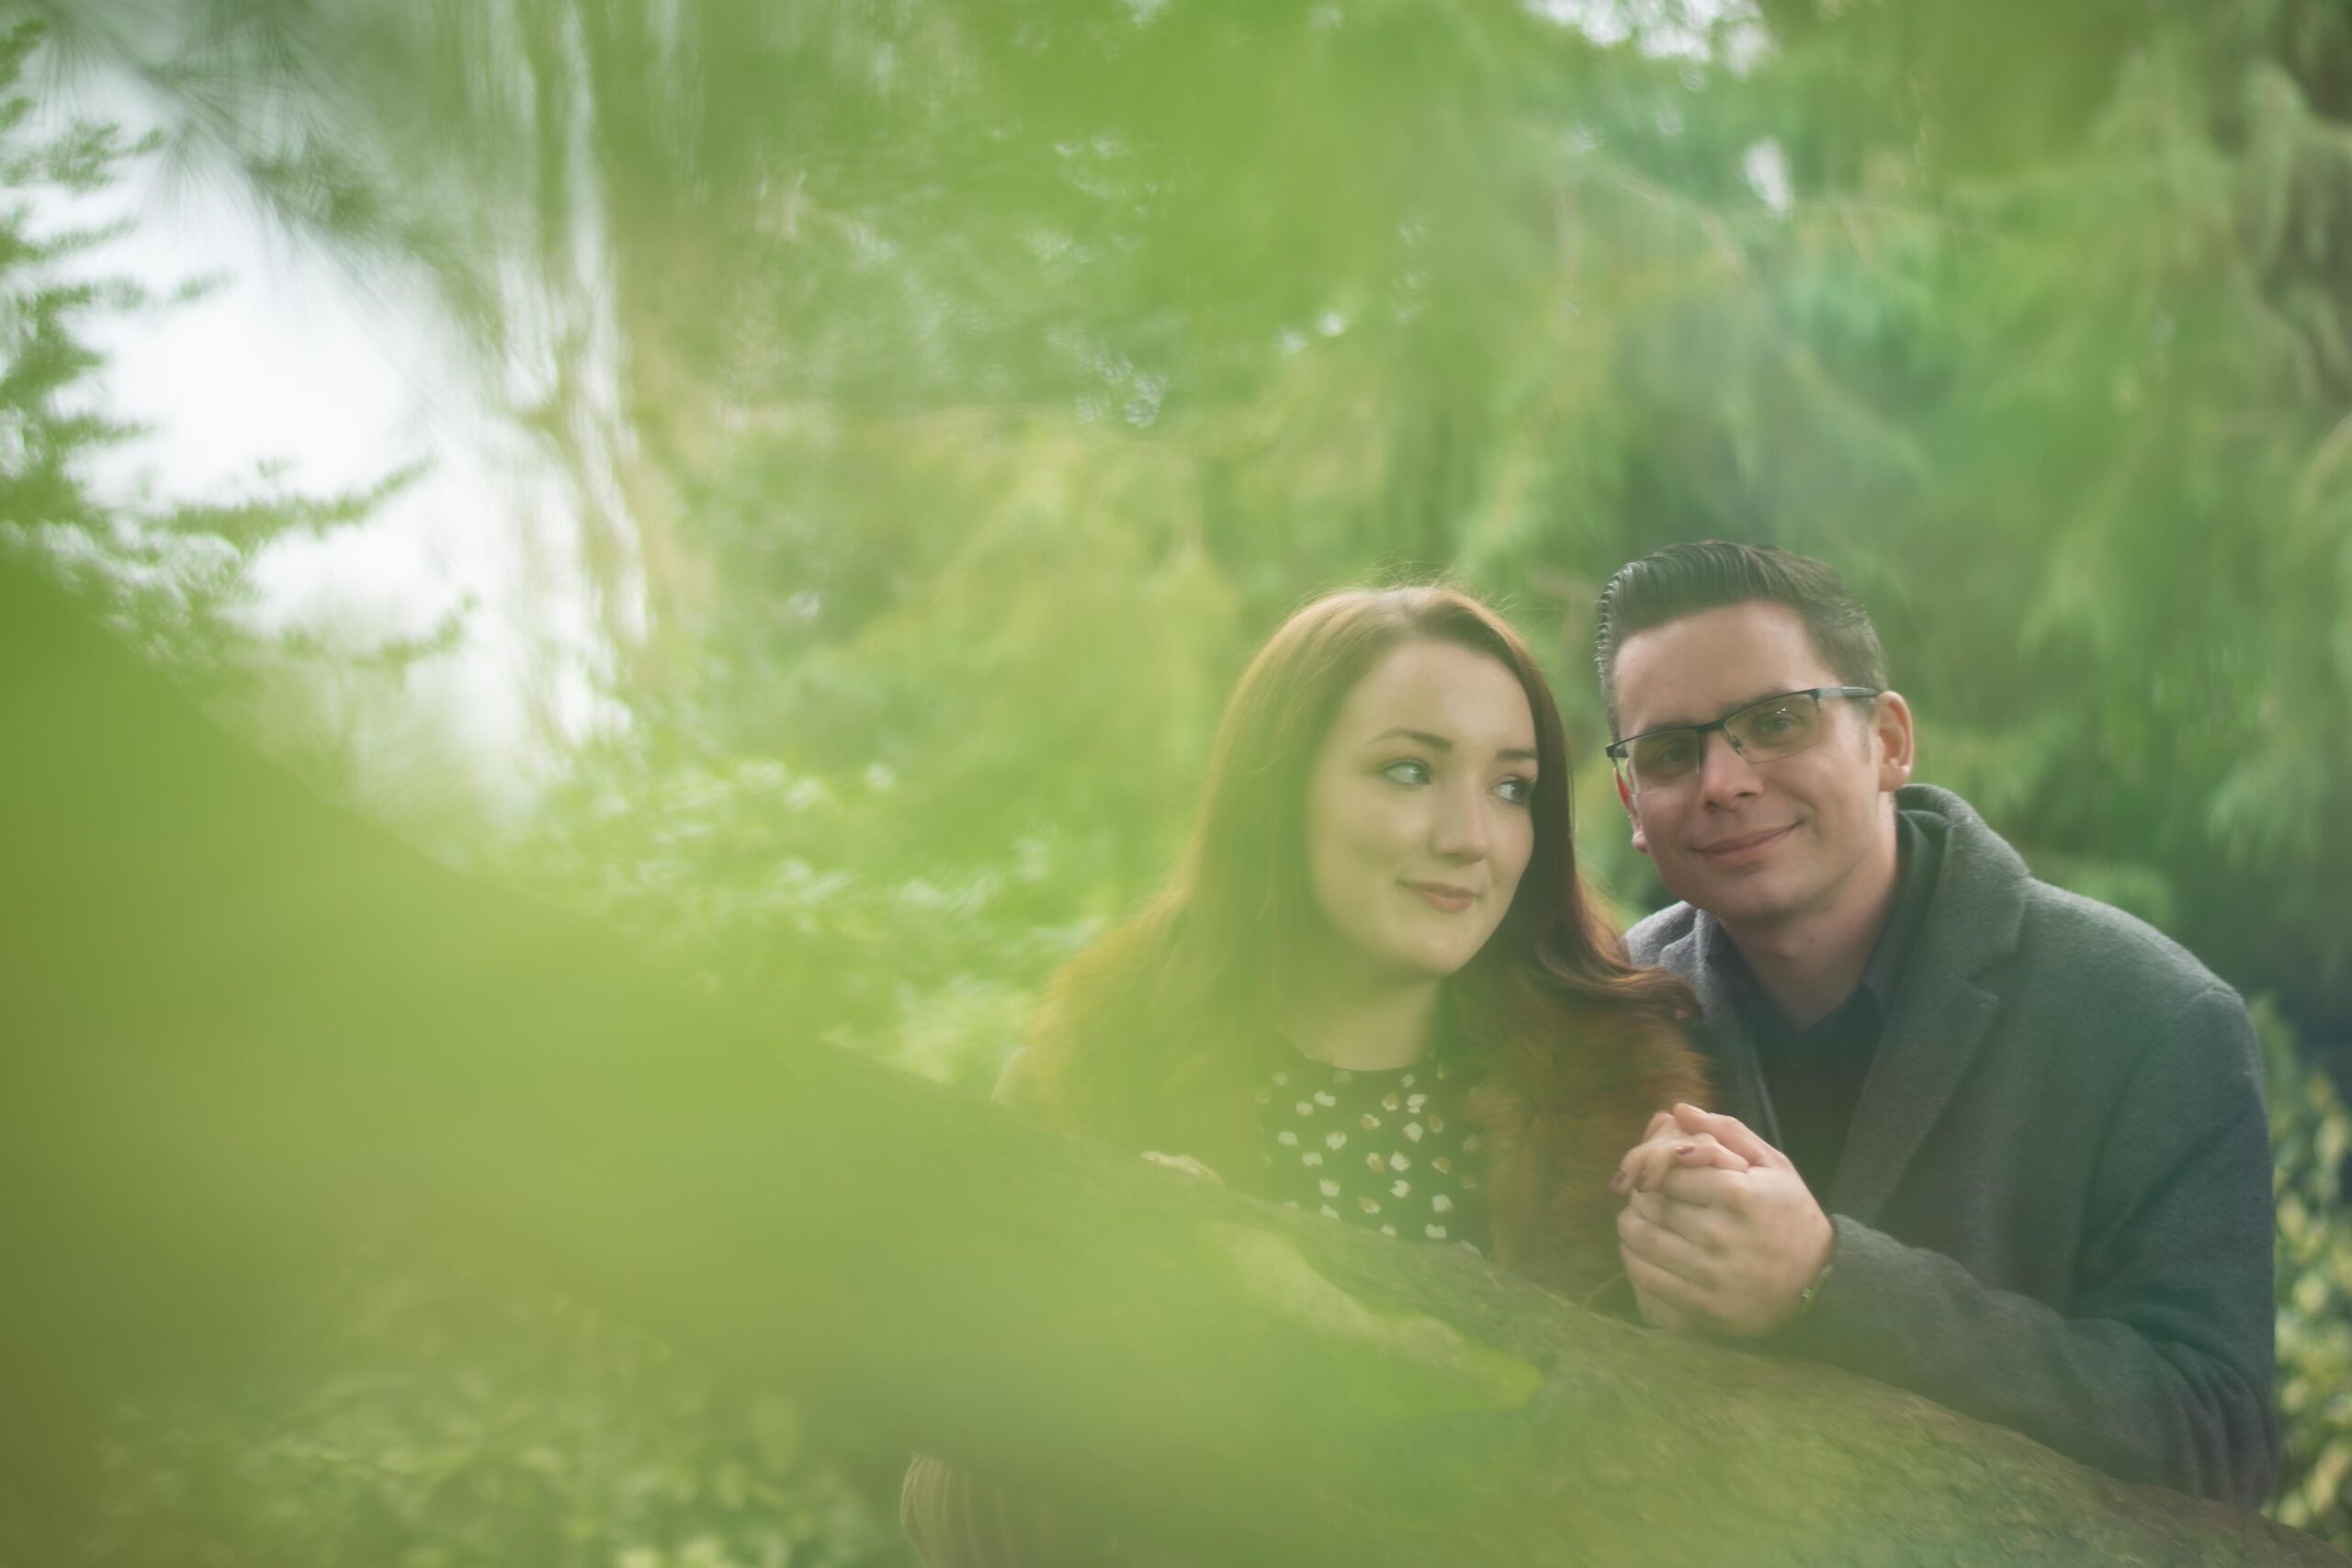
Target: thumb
x=1732 y=1133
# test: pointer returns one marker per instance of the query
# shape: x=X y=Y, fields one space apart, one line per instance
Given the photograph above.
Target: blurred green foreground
x=953 y=394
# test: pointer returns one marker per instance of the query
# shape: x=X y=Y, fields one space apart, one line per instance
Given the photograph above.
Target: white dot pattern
x=1404 y=1162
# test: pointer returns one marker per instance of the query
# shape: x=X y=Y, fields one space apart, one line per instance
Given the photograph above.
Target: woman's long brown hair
x=1177 y=1002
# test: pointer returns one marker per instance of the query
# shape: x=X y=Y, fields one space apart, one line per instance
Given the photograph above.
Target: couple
x=1972 y=1136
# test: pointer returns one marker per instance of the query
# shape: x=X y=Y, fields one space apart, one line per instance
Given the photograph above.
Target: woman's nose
x=1460 y=831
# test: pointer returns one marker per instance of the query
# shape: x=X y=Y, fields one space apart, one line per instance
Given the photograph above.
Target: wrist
x=1810 y=1292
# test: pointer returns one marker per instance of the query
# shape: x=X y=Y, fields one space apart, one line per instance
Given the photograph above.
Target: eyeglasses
x=1763 y=731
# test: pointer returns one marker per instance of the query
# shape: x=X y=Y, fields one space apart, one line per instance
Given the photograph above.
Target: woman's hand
x=1667 y=1146
x=1184 y=1163
x=1738 y=1251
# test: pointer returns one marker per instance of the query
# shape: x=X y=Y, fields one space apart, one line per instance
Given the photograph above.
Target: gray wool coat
x=2053 y=1212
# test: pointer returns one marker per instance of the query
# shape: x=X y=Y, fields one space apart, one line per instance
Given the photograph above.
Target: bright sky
x=296 y=361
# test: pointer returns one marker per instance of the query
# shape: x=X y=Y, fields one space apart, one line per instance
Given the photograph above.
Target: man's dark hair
x=1683 y=579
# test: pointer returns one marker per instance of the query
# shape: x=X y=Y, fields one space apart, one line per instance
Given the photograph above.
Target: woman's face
x=1418 y=823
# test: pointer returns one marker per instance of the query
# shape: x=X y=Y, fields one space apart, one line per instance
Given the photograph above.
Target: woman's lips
x=1745 y=847
x=1442 y=896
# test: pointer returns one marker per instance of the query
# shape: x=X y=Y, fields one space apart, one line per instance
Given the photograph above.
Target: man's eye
x=1406 y=771
x=1775 y=721
x=1666 y=752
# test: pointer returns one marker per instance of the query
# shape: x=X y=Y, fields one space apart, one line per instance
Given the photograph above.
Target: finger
x=1689 y=1151
x=1700 y=1149
x=1661 y=1248
x=1644 y=1164
x=1661 y=1163
x=1732 y=1132
x=1707 y=1188
x=1703 y=1229
x=1658 y=1314
x=1671 y=1290
x=1660 y=1122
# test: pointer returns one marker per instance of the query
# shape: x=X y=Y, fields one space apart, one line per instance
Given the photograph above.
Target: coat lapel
x=1942 y=1011
x=1730 y=1049
x=1920 y=1062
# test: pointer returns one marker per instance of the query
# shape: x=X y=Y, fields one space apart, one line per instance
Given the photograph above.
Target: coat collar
x=1739 y=1084
x=1941 y=1013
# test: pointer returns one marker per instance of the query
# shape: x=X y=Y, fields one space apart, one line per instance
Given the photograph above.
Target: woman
x=1374 y=987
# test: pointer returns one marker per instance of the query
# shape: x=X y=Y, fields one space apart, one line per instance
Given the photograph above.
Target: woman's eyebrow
x=1440 y=743
x=1434 y=742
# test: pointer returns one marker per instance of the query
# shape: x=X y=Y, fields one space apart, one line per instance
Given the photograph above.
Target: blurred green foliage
x=957 y=393
x=2310 y=1137
x=425 y=1431
x=917 y=358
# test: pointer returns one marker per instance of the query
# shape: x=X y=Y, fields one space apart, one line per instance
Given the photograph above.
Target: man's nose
x=1725 y=773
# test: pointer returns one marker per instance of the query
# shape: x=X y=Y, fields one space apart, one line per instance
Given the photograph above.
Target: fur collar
x=1556 y=1119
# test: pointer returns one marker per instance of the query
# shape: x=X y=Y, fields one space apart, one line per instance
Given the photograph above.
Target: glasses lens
x=1662 y=758
x=1780 y=728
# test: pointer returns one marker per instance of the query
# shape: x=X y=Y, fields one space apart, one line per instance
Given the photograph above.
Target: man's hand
x=1663 y=1146
x=1711 y=1247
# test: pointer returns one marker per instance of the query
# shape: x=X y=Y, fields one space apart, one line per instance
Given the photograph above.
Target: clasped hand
x=1719 y=1232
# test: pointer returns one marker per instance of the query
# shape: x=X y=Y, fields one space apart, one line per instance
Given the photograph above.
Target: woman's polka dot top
x=1392 y=1151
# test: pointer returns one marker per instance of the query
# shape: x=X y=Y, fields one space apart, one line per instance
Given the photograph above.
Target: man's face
x=1760 y=844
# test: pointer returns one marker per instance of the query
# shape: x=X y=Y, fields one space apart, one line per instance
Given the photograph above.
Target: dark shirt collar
x=1917 y=856
x=1914 y=883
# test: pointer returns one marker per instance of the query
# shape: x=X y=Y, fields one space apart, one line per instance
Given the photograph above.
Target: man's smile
x=1740 y=848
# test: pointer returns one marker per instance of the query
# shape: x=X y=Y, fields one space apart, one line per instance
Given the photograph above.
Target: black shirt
x=1813 y=1077
x=1392 y=1151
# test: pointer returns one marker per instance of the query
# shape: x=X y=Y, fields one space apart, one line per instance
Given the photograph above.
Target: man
x=2006 y=1146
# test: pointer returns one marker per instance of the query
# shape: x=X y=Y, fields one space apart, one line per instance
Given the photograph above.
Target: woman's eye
x=1406 y=771
x=1517 y=791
